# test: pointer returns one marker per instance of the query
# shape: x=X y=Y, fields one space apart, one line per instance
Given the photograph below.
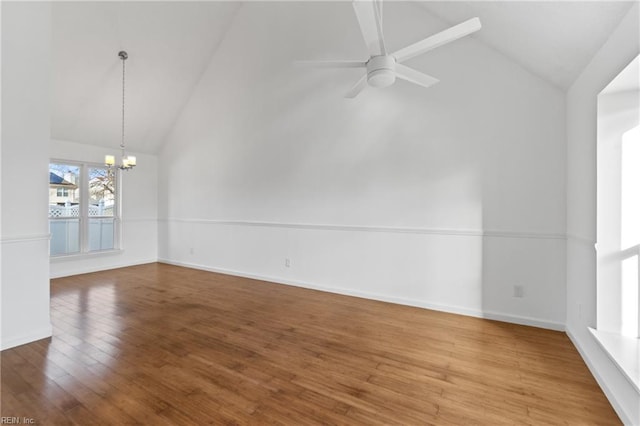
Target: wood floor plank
x=164 y=345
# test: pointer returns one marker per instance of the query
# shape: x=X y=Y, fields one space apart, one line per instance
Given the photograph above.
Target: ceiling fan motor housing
x=381 y=71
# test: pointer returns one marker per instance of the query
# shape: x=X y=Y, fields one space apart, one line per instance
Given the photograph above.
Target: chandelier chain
x=128 y=161
x=123 y=87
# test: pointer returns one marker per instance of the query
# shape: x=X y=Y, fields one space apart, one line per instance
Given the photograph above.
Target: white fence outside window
x=64 y=226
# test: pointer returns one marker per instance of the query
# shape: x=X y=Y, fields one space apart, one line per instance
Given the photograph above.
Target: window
x=618 y=218
x=83 y=202
x=630 y=232
x=618 y=222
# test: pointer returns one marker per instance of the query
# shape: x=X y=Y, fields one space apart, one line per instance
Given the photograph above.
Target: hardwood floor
x=157 y=344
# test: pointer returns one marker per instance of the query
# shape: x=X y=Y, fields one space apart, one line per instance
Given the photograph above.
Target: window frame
x=621 y=347
x=83 y=209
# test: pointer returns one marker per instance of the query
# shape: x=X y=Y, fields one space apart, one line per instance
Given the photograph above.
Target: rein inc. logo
x=17 y=421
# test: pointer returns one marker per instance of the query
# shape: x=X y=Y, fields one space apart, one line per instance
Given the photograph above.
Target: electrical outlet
x=518 y=291
x=191 y=250
x=287 y=262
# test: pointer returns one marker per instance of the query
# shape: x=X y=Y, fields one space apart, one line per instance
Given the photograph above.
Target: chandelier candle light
x=128 y=161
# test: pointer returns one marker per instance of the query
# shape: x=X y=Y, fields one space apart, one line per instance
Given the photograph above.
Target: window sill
x=82 y=256
x=623 y=351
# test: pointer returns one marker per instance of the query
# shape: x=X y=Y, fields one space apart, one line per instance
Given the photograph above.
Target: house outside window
x=83 y=208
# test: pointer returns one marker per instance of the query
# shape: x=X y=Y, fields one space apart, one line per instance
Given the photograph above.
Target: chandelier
x=128 y=161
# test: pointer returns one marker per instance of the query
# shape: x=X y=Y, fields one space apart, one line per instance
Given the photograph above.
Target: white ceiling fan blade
x=413 y=76
x=332 y=64
x=437 y=40
x=357 y=88
x=368 y=14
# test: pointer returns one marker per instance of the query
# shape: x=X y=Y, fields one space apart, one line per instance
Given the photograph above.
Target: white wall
x=139 y=212
x=445 y=198
x=618 y=51
x=26 y=38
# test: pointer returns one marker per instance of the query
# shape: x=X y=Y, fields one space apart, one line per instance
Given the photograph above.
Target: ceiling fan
x=383 y=67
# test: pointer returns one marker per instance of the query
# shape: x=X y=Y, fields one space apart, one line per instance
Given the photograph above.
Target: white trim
x=26 y=238
x=522 y=320
x=581 y=240
x=619 y=349
x=388 y=229
x=139 y=219
x=534 y=322
x=626 y=419
x=42 y=333
x=90 y=269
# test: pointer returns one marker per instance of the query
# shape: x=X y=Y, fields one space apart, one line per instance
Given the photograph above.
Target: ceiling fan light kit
x=381 y=71
x=382 y=67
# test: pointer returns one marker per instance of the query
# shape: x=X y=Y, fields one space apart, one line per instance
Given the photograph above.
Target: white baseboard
x=619 y=409
x=12 y=342
x=90 y=269
x=521 y=320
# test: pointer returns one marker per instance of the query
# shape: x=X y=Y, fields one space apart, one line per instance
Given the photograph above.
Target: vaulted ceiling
x=171 y=43
x=553 y=39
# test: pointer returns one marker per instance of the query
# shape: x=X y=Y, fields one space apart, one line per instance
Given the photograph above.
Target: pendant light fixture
x=128 y=161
